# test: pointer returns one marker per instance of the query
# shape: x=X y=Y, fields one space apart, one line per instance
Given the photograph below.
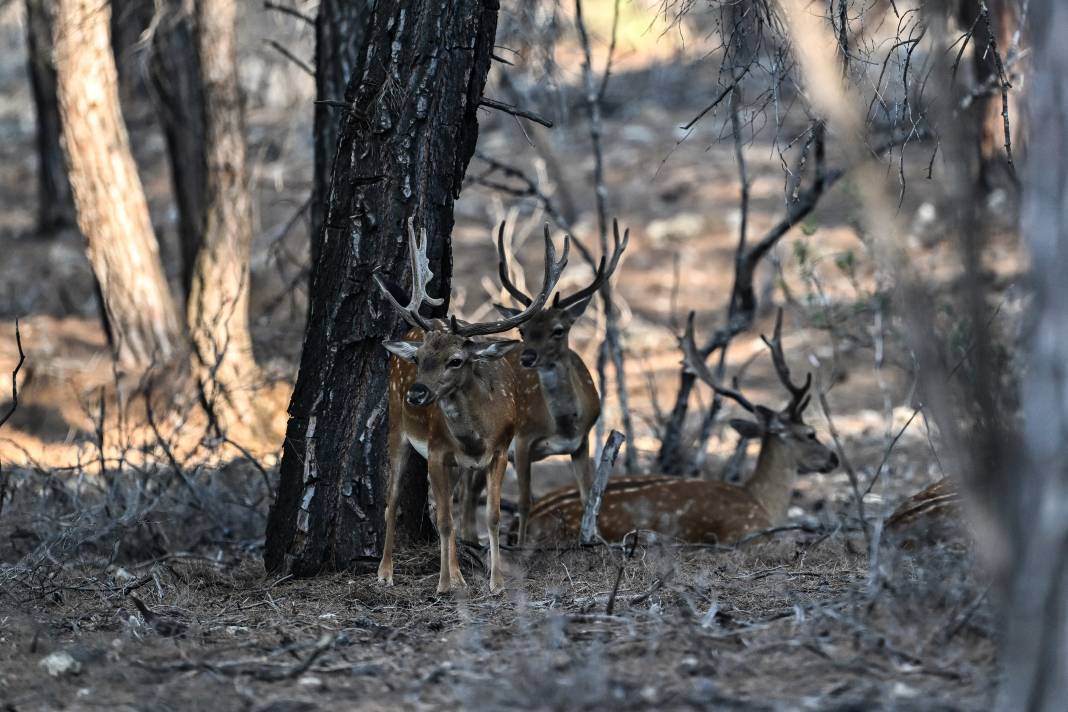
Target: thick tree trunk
x=1034 y=650
x=403 y=151
x=339 y=30
x=217 y=311
x=55 y=202
x=177 y=91
x=112 y=210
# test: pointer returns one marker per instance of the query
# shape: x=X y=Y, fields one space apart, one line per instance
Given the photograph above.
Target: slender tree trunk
x=55 y=202
x=129 y=20
x=403 y=151
x=339 y=31
x=217 y=311
x=990 y=32
x=178 y=94
x=112 y=210
x=1034 y=648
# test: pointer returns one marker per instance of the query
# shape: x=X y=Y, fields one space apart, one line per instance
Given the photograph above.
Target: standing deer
x=702 y=510
x=561 y=403
x=456 y=402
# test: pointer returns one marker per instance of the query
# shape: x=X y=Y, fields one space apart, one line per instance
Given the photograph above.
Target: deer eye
x=558 y=332
x=454 y=363
x=812 y=436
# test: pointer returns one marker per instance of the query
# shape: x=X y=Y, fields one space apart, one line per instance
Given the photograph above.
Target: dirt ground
x=801 y=619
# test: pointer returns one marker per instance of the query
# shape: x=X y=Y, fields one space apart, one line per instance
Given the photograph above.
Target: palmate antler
x=421 y=276
x=604 y=270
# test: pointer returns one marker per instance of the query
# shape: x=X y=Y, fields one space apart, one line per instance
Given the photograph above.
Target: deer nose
x=528 y=358
x=419 y=395
x=832 y=462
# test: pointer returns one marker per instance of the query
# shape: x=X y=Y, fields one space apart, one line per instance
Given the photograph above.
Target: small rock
x=60 y=663
x=310 y=681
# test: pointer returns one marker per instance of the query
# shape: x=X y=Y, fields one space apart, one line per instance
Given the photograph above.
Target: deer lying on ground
x=934 y=515
x=701 y=510
x=561 y=402
x=456 y=402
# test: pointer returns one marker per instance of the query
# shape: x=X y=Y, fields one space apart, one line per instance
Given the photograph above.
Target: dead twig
x=588 y=530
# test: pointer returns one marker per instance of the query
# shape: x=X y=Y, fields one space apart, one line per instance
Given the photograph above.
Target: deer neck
x=560 y=395
x=467 y=419
x=772 y=483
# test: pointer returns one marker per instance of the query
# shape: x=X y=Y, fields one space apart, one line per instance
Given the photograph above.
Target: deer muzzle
x=419 y=395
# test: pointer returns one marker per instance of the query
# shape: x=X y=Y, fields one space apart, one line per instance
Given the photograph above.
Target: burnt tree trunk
x=55 y=202
x=129 y=20
x=1034 y=647
x=174 y=72
x=217 y=310
x=339 y=30
x=404 y=147
x=111 y=206
x=992 y=33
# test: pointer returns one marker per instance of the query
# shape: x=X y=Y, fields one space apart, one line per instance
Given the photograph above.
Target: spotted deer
x=561 y=403
x=456 y=402
x=932 y=516
x=696 y=510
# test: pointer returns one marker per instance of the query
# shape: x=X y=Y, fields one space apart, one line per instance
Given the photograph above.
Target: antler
x=553 y=269
x=502 y=269
x=696 y=365
x=798 y=398
x=602 y=273
x=421 y=276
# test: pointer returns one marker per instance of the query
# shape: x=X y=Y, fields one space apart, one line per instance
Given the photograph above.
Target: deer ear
x=576 y=310
x=489 y=350
x=506 y=312
x=771 y=420
x=747 y=428
x=403 y=349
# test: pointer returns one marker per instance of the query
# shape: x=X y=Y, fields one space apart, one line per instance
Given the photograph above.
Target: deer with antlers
x=456 y=402
x=561 y=403
x=701 y=510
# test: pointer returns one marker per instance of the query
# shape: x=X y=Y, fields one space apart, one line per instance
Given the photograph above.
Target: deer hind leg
x=472 y=482
x=493 y=519
x=399 y=454
x=582 y=468
x=522 y=474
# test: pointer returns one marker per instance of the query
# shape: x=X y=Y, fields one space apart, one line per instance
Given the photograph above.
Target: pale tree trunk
x=55 y=203
x=1034 y=649
x=217 y=308
x=111 y=206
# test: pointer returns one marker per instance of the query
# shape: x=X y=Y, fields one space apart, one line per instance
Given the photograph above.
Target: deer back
x=690 y=510
x=931 y=516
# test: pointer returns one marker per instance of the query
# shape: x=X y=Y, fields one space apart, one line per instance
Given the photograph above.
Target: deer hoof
x=387 y=580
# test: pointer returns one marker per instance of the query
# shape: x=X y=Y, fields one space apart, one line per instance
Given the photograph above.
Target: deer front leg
x=448 y=566
x=398 y=457
x=493 y=518
x=522 y=474
x=582 y=468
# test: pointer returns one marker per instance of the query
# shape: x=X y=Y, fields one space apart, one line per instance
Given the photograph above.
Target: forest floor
x=808 y=618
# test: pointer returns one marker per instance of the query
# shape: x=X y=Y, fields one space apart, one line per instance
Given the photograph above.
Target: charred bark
x=404 y=147
x=55 y=202
x=111 y=206
x=217 y=311
x=339 y=32
x=174 y=72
